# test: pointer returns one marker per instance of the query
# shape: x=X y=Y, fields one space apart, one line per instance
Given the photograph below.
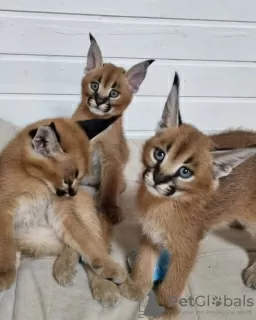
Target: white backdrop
x=211 y=43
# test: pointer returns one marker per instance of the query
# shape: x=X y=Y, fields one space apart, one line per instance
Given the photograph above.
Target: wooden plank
x=235 y=10
x=43 y=75
x=141 y=117
x=131 y=38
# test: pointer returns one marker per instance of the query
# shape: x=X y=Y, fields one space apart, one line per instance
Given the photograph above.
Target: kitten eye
x=76 y=174
x=185 y=173
x=94 y=86
x=159 y=155
x=113 y=94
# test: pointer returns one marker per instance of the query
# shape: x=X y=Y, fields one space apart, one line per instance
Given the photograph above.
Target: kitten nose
x=161 y=178
x=72 y=192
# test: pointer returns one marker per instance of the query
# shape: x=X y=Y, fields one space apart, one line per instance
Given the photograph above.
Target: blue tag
x=162 y=265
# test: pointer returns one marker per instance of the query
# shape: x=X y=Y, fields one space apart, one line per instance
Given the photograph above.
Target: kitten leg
x=92 y=248
x=104 y=291
x=65 y=266
x=141 y=280
x=170 y=290
x=250 y=276
x=111 y=185
x=7 y=250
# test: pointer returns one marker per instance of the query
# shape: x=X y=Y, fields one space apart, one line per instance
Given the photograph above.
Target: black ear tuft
x=95 y=126
x=92 y=37
x=150 y=61
x=176 y=80
x=53 y=127
x=180 y=119
x=32 y=133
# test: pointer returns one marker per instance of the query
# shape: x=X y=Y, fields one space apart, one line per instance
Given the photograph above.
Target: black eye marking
x=114 y=85
x=168 y=147
x=100 y=78
x=159 y=155
x=76 y=174
x=189 y=160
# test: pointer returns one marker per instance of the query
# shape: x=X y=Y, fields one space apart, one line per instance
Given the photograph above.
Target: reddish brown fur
x=28 y=182
x=179 y=223
x=113 y=145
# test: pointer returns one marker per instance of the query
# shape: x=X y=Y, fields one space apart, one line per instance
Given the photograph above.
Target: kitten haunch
x=43 y=207
x=187 y=188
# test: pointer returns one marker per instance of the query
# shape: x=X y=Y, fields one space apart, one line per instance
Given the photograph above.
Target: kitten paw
x=132 y=291
x=110 y=270
x=7 y=279
x=65 y=269
x=105 y=292
x=250 y=276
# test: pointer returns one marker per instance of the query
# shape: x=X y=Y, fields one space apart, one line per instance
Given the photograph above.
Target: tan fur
x=179 y=223
x=31 y=211
x=178 y=218
x=111 y=150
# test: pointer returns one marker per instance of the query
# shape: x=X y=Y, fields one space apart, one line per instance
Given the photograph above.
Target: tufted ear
x=95 y=126
x=224 y=161
x=171 y=113
x=94 y=56
x=136 y=74
x=45 y=140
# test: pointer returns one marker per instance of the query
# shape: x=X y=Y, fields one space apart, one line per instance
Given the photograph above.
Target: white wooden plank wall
x=211 y=43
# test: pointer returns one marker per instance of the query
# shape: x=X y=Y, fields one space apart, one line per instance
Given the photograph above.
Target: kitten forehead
x=109 y=75
x=181 y=143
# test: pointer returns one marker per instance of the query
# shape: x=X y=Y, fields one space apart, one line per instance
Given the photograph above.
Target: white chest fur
x=156 y=235
x=95 y=178
x=33 y=211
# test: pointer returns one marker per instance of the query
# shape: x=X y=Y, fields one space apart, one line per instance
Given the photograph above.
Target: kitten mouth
x=98 y=109
x=160 y=189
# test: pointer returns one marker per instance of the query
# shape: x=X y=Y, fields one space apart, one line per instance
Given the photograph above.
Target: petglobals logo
x=214 y=301
x=204 y=304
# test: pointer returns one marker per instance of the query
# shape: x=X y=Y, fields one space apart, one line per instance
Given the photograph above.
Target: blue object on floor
x=162 y=265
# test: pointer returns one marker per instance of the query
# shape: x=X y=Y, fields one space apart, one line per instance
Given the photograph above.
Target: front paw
x=250 y=276
x=109 y=269
x=7 y=278
x=132 y=291
x=112 y=212
x=105 y=292
x=8 y=258
x=65 y=268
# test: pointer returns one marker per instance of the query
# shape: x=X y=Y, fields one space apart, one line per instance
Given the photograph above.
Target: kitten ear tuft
x=94 y=56
x=45 y=141
x=171 y=114
x=136 y=74
x=224 y=161
x=91 y=37
x=53 y=127
x=95 y=126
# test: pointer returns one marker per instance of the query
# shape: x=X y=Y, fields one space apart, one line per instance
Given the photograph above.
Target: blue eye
x=94 y=86
x=185 y=173
x=159 y=155
x=113 y=94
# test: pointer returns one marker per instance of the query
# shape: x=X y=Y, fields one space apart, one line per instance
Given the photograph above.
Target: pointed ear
x=136 y=74
x=45 y=140
x=224 y=161
x=95 y=126
x=171 y=114
x=94 y=57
